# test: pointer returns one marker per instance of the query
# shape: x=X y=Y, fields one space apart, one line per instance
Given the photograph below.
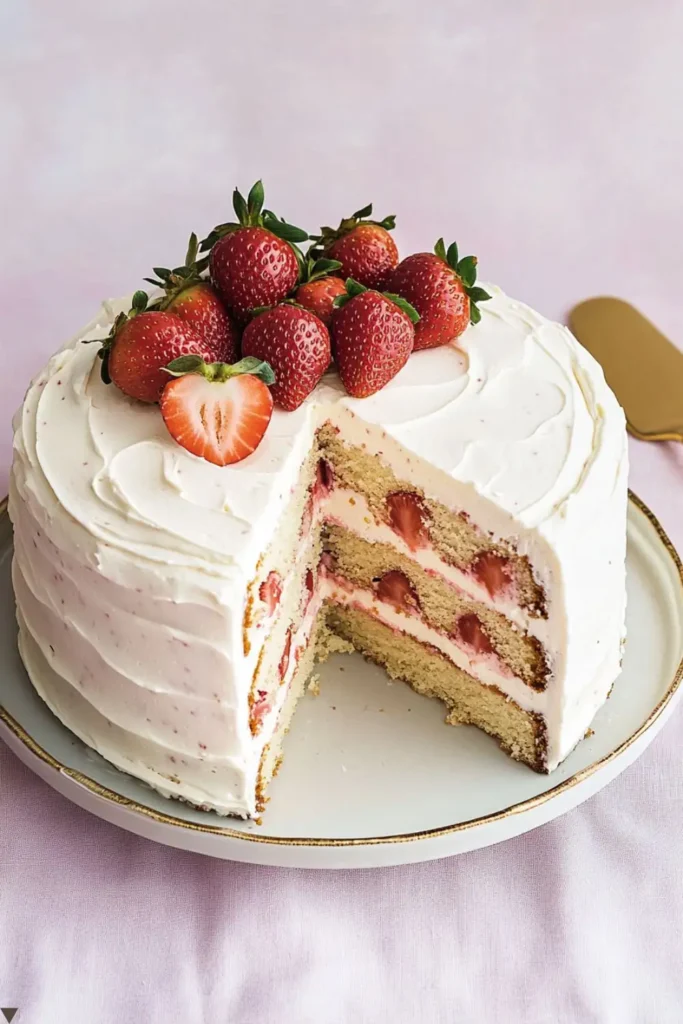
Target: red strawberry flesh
x=471 y=632
x=367 y=253
x=372 y=340
x=270 y=592
x=395 y=588
x=252 y=267
x=199 y=306
x=408 y=518
x=297 y=346
x=493 y=571
x=284 y=660
x=147 y=343
x=222 y=422
x=324 y=480
x=437 y=293
x=318 y=296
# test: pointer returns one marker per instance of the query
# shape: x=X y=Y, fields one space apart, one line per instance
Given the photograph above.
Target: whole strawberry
x=297 y=346
x=253 y=262
x=216 y=411
x=441 y=288
x=373 y=336
x=365 y=249
x=141 y=343
x=319 y=289
x=191 y=297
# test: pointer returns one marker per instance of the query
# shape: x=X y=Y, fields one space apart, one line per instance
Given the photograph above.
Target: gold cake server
x=642 y=367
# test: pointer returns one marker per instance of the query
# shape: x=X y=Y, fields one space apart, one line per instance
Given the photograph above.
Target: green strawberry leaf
x=477 y=294
x=104 y=369
x=139 y=302
x=452 y=256
x=354 y=288
x=389 y=223
x=365 y=212
x=185 y=364
x=287 y=232
x=403 y=305
x=440 y=250
x=475 y=315
x=192 y=247
x=255 y=201
x=467 y=270
x=256 y=367
x=240 y=207
x=341 y=300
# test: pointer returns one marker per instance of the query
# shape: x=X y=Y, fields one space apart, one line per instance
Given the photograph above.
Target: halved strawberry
x=141 y=343
x=372 y=338
x=408 y=517
x=270 y=592
x=318 y=289
x=395 y=588
x=364 y=248
x=189 y=295
x=284 y=660
x=493 y=571
x=253 y=261
x=470 y=631
x=296 y=344
x=216 y=411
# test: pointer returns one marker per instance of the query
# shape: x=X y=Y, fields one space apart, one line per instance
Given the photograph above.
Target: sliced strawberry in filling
x=284 y=660
x=309 y=584
x=395 y=588
x=270 y=592
x=470 y=632
x=259 y=709
x=408 y=518
x=493 y=571
x=324 y=479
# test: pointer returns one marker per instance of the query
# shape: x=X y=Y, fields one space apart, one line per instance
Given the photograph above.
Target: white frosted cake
x=464 y=526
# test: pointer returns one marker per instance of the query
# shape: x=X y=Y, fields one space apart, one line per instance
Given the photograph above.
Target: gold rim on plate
x=407 y=837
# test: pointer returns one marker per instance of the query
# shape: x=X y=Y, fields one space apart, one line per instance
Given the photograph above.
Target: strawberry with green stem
x=217 y=411
x=364 y=247
x=373 y=334
x=253 y=261
x=296 y=343
x=319 y=287
x=190 y=296
x=442 y=288
x=141 y=343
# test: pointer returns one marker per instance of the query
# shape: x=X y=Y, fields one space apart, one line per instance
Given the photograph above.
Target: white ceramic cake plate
x=371 y=775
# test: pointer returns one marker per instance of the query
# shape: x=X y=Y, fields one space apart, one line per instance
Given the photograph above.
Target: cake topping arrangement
x=247 y=290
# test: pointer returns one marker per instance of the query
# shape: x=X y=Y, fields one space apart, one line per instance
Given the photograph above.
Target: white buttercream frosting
x=133 y=557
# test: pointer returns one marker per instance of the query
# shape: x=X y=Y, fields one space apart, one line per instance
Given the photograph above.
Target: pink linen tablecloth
x=548 y=139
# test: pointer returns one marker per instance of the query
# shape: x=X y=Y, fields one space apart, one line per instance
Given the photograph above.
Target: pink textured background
x=548 y=138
